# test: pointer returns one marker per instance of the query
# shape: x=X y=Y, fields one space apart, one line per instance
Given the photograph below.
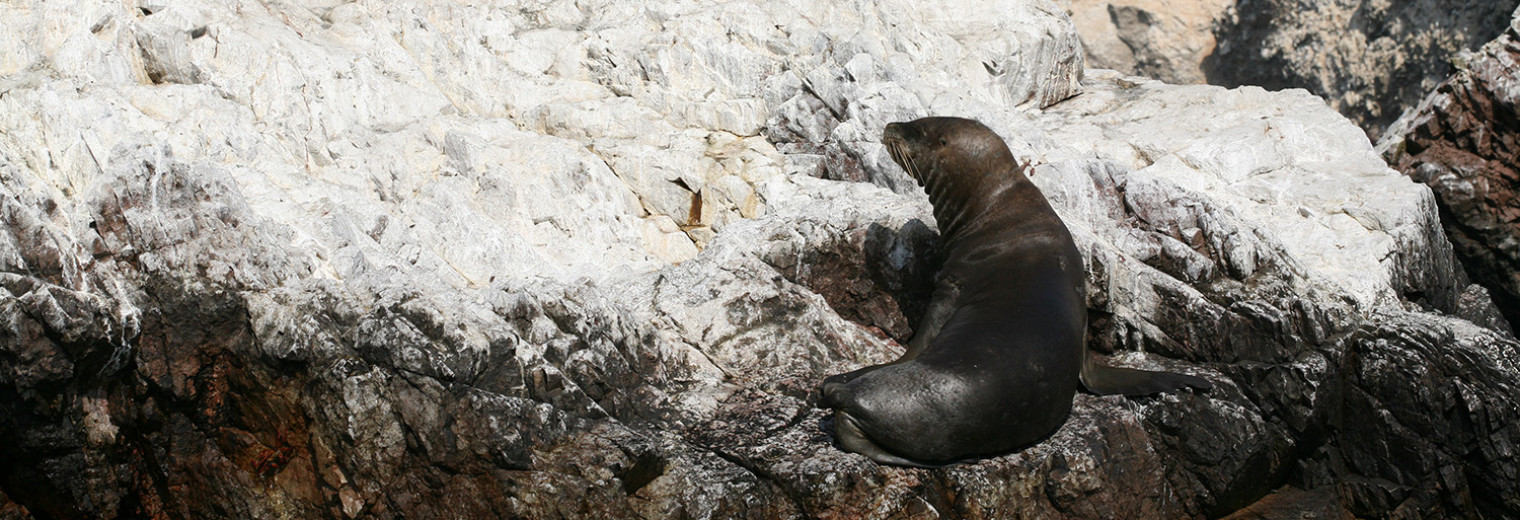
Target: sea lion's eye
x=944 y=142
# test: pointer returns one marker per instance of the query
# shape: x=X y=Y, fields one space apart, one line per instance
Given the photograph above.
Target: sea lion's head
x=961 y=163
x=933 y=147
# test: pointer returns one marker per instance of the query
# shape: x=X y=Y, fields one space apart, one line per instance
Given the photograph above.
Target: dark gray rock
x=1371 y=60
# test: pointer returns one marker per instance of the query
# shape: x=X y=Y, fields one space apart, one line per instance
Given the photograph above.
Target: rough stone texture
x=1295 y=504
x=1163 y=39
x=1371 y=59
x=555 y=260
x=1463 y=141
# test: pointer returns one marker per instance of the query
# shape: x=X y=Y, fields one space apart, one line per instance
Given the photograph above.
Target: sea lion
x=1002 y=347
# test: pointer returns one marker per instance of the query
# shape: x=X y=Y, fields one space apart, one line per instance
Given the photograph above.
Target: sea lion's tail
x=1109 y=380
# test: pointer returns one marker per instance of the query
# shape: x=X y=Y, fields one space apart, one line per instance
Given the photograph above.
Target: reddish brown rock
x=1291 y=503
x=1463 y=141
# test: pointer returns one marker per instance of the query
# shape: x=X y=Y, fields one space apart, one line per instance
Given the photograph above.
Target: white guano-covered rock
x=1249 y=173
x=503 y=136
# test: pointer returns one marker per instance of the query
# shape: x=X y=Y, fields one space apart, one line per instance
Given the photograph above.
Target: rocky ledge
x=565 y=260
x=1463 y=141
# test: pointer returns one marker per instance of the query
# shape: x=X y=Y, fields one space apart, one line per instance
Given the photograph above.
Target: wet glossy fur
x=1001 y=350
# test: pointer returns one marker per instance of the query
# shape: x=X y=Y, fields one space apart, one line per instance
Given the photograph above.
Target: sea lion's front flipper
x=1102 y=379
x=947 y=295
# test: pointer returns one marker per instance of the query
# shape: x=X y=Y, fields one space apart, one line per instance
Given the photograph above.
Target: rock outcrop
x=1370 y=59
x=1169 y=40
x=566 y=260
x=1463 y=141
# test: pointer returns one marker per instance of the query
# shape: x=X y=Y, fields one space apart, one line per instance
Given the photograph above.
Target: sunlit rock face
x=566 y=260
x=1167 y=40
x=1370 y=59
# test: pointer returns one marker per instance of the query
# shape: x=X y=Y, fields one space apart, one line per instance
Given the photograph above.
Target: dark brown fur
x=1001 y=350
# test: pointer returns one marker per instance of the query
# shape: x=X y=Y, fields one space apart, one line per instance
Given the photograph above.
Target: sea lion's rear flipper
x=1102 y=379
x=852 y=438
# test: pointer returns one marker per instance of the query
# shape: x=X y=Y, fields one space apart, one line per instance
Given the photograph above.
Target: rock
x=1440 y=371
x=1295 y=504
x=1286 y=346
x=1370 y=59
x=9 y=510
x=1475 y=305
x=1461 y=141
x=435 y=259
x=1170 y=40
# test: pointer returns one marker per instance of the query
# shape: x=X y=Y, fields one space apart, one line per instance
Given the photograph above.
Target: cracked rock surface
x=1463 y=141
x=1370 y=59
x=567 y=260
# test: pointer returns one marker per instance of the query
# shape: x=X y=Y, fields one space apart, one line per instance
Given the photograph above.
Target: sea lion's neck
x=971 y=205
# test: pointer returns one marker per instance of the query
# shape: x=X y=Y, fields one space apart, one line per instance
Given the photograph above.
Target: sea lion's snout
x=898 y=137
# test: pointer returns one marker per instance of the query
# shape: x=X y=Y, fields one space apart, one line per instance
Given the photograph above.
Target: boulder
x=1463 y=141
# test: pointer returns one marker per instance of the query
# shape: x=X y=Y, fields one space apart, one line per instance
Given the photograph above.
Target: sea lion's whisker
x=906 y=159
